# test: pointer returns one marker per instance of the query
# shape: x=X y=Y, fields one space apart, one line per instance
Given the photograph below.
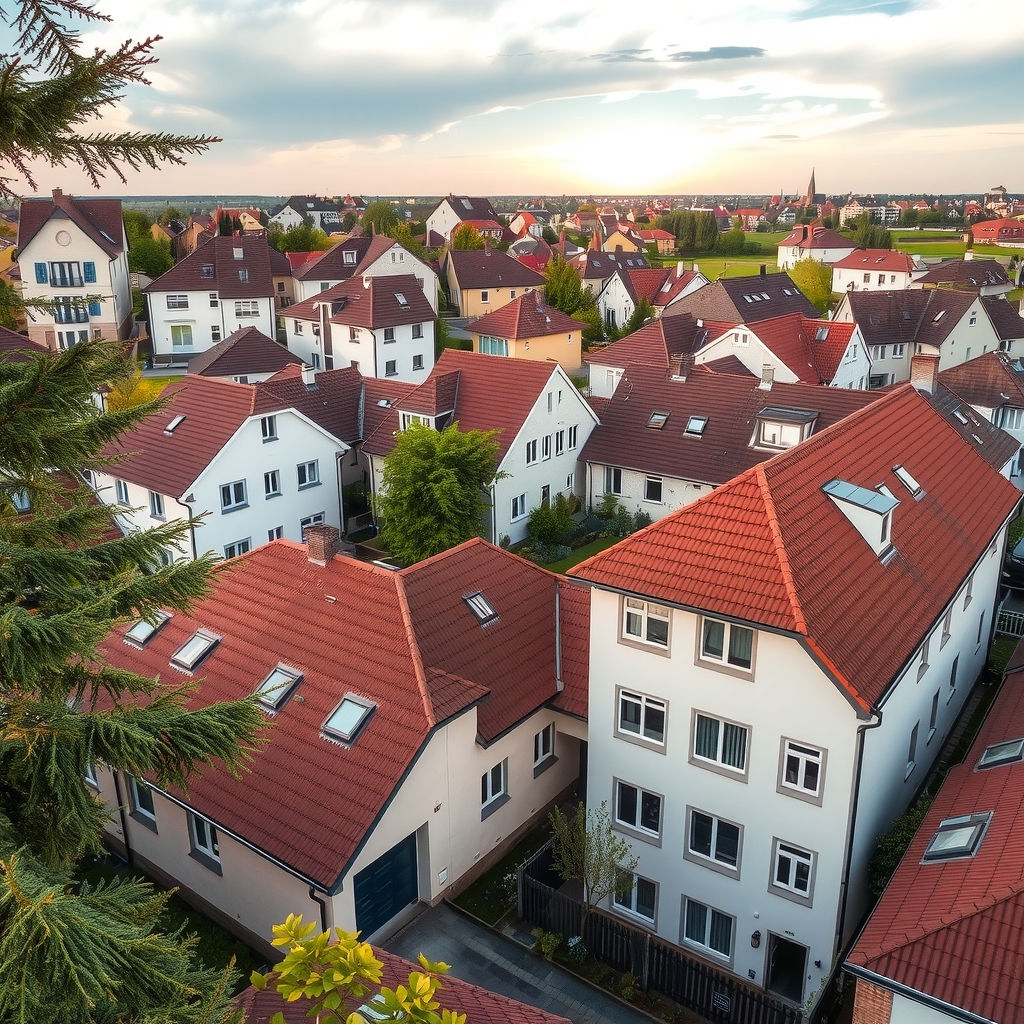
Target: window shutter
x=41 y=275
x=89 y=272
x=94 y=307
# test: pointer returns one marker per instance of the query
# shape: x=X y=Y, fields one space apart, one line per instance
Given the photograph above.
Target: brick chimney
x=767 y=377
x=321 y=543
x=924 y=372
x=58 y=195
x=680 y=365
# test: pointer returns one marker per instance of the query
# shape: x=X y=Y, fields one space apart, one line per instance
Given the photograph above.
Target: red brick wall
x=871 y=1004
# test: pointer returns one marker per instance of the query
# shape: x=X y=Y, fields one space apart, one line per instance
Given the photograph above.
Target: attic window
x=173 y=425
x=765 y=295
x=787 y=291
x=237 y=253
x=207 y=270
x=1001 y=753
x=957 y=838
x=402 y=300
x=597 y=263
x=278 y=687
x=192 y=653
x=906 y=316
x=142 y=632
x=467 y=204
x=348 y=257
x=958 y=413
x=481 y=608
x=348 y=718
x=908 y=481
x=822 y=334
x=938 y=316
x=695 y=426
x=657 y=420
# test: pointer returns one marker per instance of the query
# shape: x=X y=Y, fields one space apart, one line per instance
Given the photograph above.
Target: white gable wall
x=752 y=353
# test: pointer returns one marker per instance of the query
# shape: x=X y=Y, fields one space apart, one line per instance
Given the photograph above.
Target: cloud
x=679 y=56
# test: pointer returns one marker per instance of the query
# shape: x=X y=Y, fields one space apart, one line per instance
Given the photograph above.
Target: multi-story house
x=543 y=424
x=525 y=328
x=73 y=254
x=595 y=266
x=455 y=210
x=321 y=213
x=383 y=326
x=773 y=670
x=813 y=242
x=984 y=277
x=735 y=300
x=875 y=270
x=245 y=357
x=480 y=280
x=222 y=287
x=422 y=720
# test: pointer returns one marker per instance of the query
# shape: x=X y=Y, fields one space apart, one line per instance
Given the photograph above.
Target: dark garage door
x=387 y=885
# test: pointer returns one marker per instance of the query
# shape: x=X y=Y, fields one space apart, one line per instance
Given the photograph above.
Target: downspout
x=323 y=908
x=124 y=820
x=494 y=517
x=559 y=681
x=339 y=466
x=191 y=528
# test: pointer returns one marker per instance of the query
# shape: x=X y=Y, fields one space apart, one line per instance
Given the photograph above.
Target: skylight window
x=748 y=298
x=907 y=480
x=278 y=687
x=787 y=291
x=237 y=253
x=467 y=204
x=195 y=650
x=957 y=838
x=765 y=295
x=348 y=718
x=173 y=425
x=142 y=632
x=1001 y=753
x=938 y=316
x=481 y=608
x=906 y=314
x=657 y=420
x=695 y=426
x=822 y=334
x=958 y=413
x=402 y=300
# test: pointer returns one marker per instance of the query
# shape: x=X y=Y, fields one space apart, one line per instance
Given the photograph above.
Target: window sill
x=711 y=864
x=489 y=808
x=306 y=487
x=793 y=897
x=144 y=819
x=931 y=734
x=663 y=651
x=276 y=494
x=207 y=861
x=159 y=519
x=640 y=741
x=729 y=670
x=543 y=766
x=718 y=768
x=635 y=833
x=910 y=770
x=234 y=508
x=267 y=440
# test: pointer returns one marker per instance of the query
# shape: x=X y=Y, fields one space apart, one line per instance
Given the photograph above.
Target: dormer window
x=207 y=270
x=278 y=687
x=142 y=631
x=957 y=838
x=348 y=718
x=822 y=334
x=410 y=418
x=869 y=511
x=237 y=253
x=778 y=435
x=657 y=420
x=348 y=257
x=695 y=426
x=195 y=650
x=904 y=477
x=481 y=608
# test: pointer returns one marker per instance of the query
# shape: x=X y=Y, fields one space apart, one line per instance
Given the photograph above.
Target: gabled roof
x=491 y=268
x=525 y=316
x=993 y=444
x=730 y=403
x=404 y=641
x=954 y=929
x=647 y=282
x=794 y=339
x=370 y=302
x=771 y=548
x=654 y=344
x=990 y=380
x=243 y=352
x=967 y=274
x=595 y=264
x=655 y=234
x=100 y=219
x=814 y=236
x=470 y=207
x=1006 y=321
x=303 y=205
x=16 y=347
x=677 y=282
x=919 y=315
x=889 y=260
x=296 y=259
x=280 y=265
x=331 y=266
x=214 y=267
x=741 y=299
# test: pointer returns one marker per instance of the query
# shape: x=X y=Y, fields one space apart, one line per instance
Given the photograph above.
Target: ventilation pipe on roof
x=308 y=376
x=487 y=248
x=767 y=377
x=764 y=269
x=969 y=254
x=559 y=681
x=366 y=280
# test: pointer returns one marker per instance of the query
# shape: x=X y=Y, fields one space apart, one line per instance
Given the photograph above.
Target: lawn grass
x=581 y=554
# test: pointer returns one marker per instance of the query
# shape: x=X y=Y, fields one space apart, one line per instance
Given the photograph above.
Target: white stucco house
x=453 y=210
x=875 y=270
x=813 y=242
x=755 y=721
x=73 y=253
x=322 y=213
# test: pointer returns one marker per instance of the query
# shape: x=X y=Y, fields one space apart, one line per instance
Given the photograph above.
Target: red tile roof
x=734 y=300
x=967 y=274
x=296 y=259
x=398 y=639
x=100 y=219
x=594 y=264
x=889 y=260
x=989 y=380
x=16 y=347
x=794 y=339
x=491 y=268
x=673 y=285
x=574 y=612
x=729 y=365
x=213 y=267
x=653 y=344
x=331 y=266
x=242 y=352
x=655 y=234
x=816 y=237
x=954 y=930
x=1004 y=228
x=525 y=317
x=770 y=547
x=648 y=282
x=371 y=302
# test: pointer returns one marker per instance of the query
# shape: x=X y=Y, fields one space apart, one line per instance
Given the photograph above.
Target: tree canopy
x=301 y=238
x=380 y=216
x=146 y=254
x=466 y=236
x=433 y=492
x=869 y=235
x=564 y=290
x=814 y=279
x=695 y=231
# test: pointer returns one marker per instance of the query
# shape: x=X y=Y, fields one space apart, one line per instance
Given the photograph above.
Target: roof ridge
x=414 y=650
x=780 y=549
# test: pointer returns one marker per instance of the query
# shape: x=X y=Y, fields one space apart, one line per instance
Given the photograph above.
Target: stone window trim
x=628 y=830
x=630 y=737
x=633 y=916
x=711 y=955
x=791 y=894
x=801 y=794
x=724 y=667
x=135 y=813
x=709 y=862
x=711 y=766
x=640 y=645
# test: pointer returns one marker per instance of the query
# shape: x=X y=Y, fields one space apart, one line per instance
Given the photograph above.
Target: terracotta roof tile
x=213 y=267
x=990 y=380
x=491 y=268
x=889 y=260
x=574 y=612
x=817 y=237
x=726 y=299
x=525 y=317
x=794 y=339
x=1008 y=323
x=916 y=315
x=100 y=219
x=242 y=352
x=653 y=344
x=332 y=265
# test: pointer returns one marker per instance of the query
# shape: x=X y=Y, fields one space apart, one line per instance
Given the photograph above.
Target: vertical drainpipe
x=191 y=528
x=323 y=908
x=559 y=682
x=494 y=515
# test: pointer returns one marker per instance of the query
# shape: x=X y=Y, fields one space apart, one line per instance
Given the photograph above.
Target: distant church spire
x=811 y=190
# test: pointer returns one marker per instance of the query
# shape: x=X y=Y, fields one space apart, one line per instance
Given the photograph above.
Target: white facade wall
x=909 y=1011
x=373 y=353
x=604 y=379
x=444 y=220
x=968 y=339
x=286 y=218
x=790 y=254
x=398 y=260
x=141 y=517
x=210 y=318
x=853 y=279
x=304 y=340
x=614 y=303
x=675 y=493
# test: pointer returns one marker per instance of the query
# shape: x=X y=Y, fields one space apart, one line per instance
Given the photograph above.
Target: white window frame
x=612 y=476
x=660 y=483
x=268 y=428
x=203 y=834
x=389 y=335
x=489 y=795
x=626 y=901
x=316 y=519
x=559 y=442
x=121 y=487
x=417 y=331
x=235 y=502
x=544 y=745
x=272 y=483
x=574 y=433
x=531 y=452
x=643 y=703
x=637 y=611
x=156 y=505
x=709 y=916
x=795 y=854
x=417 y=362
x=803 y=754
x=518 y=507
x=275 y=533
x=137 y=809
x=636 y=826
x=717 y=762
x=545 y=447
x=238 y=547
x=181 y=336
x=247 y=308
x=308 y=474
x=177 y=302
x=725 y=661
x=711 y=859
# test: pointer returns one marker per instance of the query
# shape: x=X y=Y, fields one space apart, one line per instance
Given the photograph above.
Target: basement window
x=278 y=687
x=695 y=426
x=348 y=718
x=481 y=608
x=142 y=632
x=908 y=481
x=1001 y=753
x=192 y=653
x=957 y=838
x=657 y=420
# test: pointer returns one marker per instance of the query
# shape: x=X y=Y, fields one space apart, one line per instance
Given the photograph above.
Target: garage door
x=386 y=886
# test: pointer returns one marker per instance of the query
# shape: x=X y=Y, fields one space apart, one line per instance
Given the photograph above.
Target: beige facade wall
x=472 y=301
x=565 y=349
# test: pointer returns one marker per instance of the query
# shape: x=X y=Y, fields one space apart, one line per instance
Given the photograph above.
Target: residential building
x=383 y=326
x=983 y=277
x=755 y=719
x=418 y=731
x=677 y=285
x=543 y=424
x=480 y=280
x=1007 y=323
x=321 y=213
x=664 y=240
x=222 y=287
x=813 y=242
x=74 y=254
x=532 y=252
x=624 y=290
x=733 y=300
x=455 y=210
x=882 y=213
x=941 y=945
x=595 y=266
x=999 y=232
x=284 y=283
x=875 y=270
x=245 y=357
x=257 y=461
x=669 y=436
x=526 y=328
x=953 y=325
x=199 y=229
x=622 y=238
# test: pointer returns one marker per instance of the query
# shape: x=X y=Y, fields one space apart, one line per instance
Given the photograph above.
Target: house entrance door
x=786 y=967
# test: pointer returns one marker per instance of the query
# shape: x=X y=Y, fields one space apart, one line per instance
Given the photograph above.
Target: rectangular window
x=391 y=368
x=638 y=809
x=232 y=496
x=314 y=520
x=243 y=274
x=531 y=452
x=792 y=869
x=272 y=483
x=545 y=446
x=981 y=626
x=142 y=802
x=275 y=533
x=247 y=308
x=268 y=428
x=518 y=507
x=417 y=362
x=727 y=643
x=66 y=275
x=802 y=768
x=308 y=473
x=485 y=296
x=314 y=361
x=156 y=505
x=94 y=309
x=494 y=783
x=642 y=717
x=923 y=667
x=912 y=750
x=298 y=326
x=237 y=547
x=897 y=351
x=215 y=333
x=637 y=895
x=559 y=442
x=348 y=257
x=389 y=334
x=90 y=775
x=933 y=717
x=181 y=335
x=177 y=302
x=574 y=433
x=612 y=480
x=122 y=492
x=42 y=277
x=213 y=300
x=714 y=839
x=493 y=346
x=947 y=623
x=646 y=622
x=652 y=489
x=952 y=678
x=544 y=744
x=417 y=330
x=704 y=926
x=204 y=838
x=720 y=742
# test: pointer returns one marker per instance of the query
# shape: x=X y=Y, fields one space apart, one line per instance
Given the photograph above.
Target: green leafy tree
x=564 y=290
x=136 y=224
x=380 y=216
x=403 y=235
x=301 y=238
x=549 y=235
x=150 y=256
x=706 y=232
x=732 y=242
x=869 y=235
x=10 y=307
x=171 y=213
x=70 y=951
x=224 y=223
x=814 y=279
x=587 y=849
x=908 y=218
x=349 y=221
x=643 y=313
x=465 y=236
x=433 y=489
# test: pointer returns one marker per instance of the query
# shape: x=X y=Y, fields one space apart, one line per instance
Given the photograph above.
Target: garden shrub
x=549 y=525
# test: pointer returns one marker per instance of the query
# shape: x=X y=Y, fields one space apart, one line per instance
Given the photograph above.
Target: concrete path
x=484 y=958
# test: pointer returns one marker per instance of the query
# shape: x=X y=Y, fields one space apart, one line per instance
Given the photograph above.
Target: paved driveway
x=484 y=958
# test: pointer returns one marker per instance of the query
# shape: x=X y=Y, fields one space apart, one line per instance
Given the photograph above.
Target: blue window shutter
x=41 y=275
x=94 y=307
x=89 y=272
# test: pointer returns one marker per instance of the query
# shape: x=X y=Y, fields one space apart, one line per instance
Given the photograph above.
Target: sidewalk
x=484 y=958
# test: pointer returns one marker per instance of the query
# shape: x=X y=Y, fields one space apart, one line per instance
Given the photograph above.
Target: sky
x=491 y=97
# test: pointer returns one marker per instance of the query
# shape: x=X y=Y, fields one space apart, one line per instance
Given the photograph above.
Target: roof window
x=765 y=295
x=143 y=631
x=870 y=512
x=938 y=316
x=957 y=838
x=348 y=257
x=904 y=477
x=657 y=420
x=238 y=253
x=1001 y=753
x=174 y=424
x=348 y=718
x=207 y=270
x=402 y=300
x=188 y=656
x=481 y=608
x=822 y=334
x=467 y=204
x=959 y=414
x=695 y=426
x=906 y=315
x=597 y=263
x=278 y=687
x=787 y=291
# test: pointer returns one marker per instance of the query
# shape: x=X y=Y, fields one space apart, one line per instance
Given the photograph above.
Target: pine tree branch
x=43 y=35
